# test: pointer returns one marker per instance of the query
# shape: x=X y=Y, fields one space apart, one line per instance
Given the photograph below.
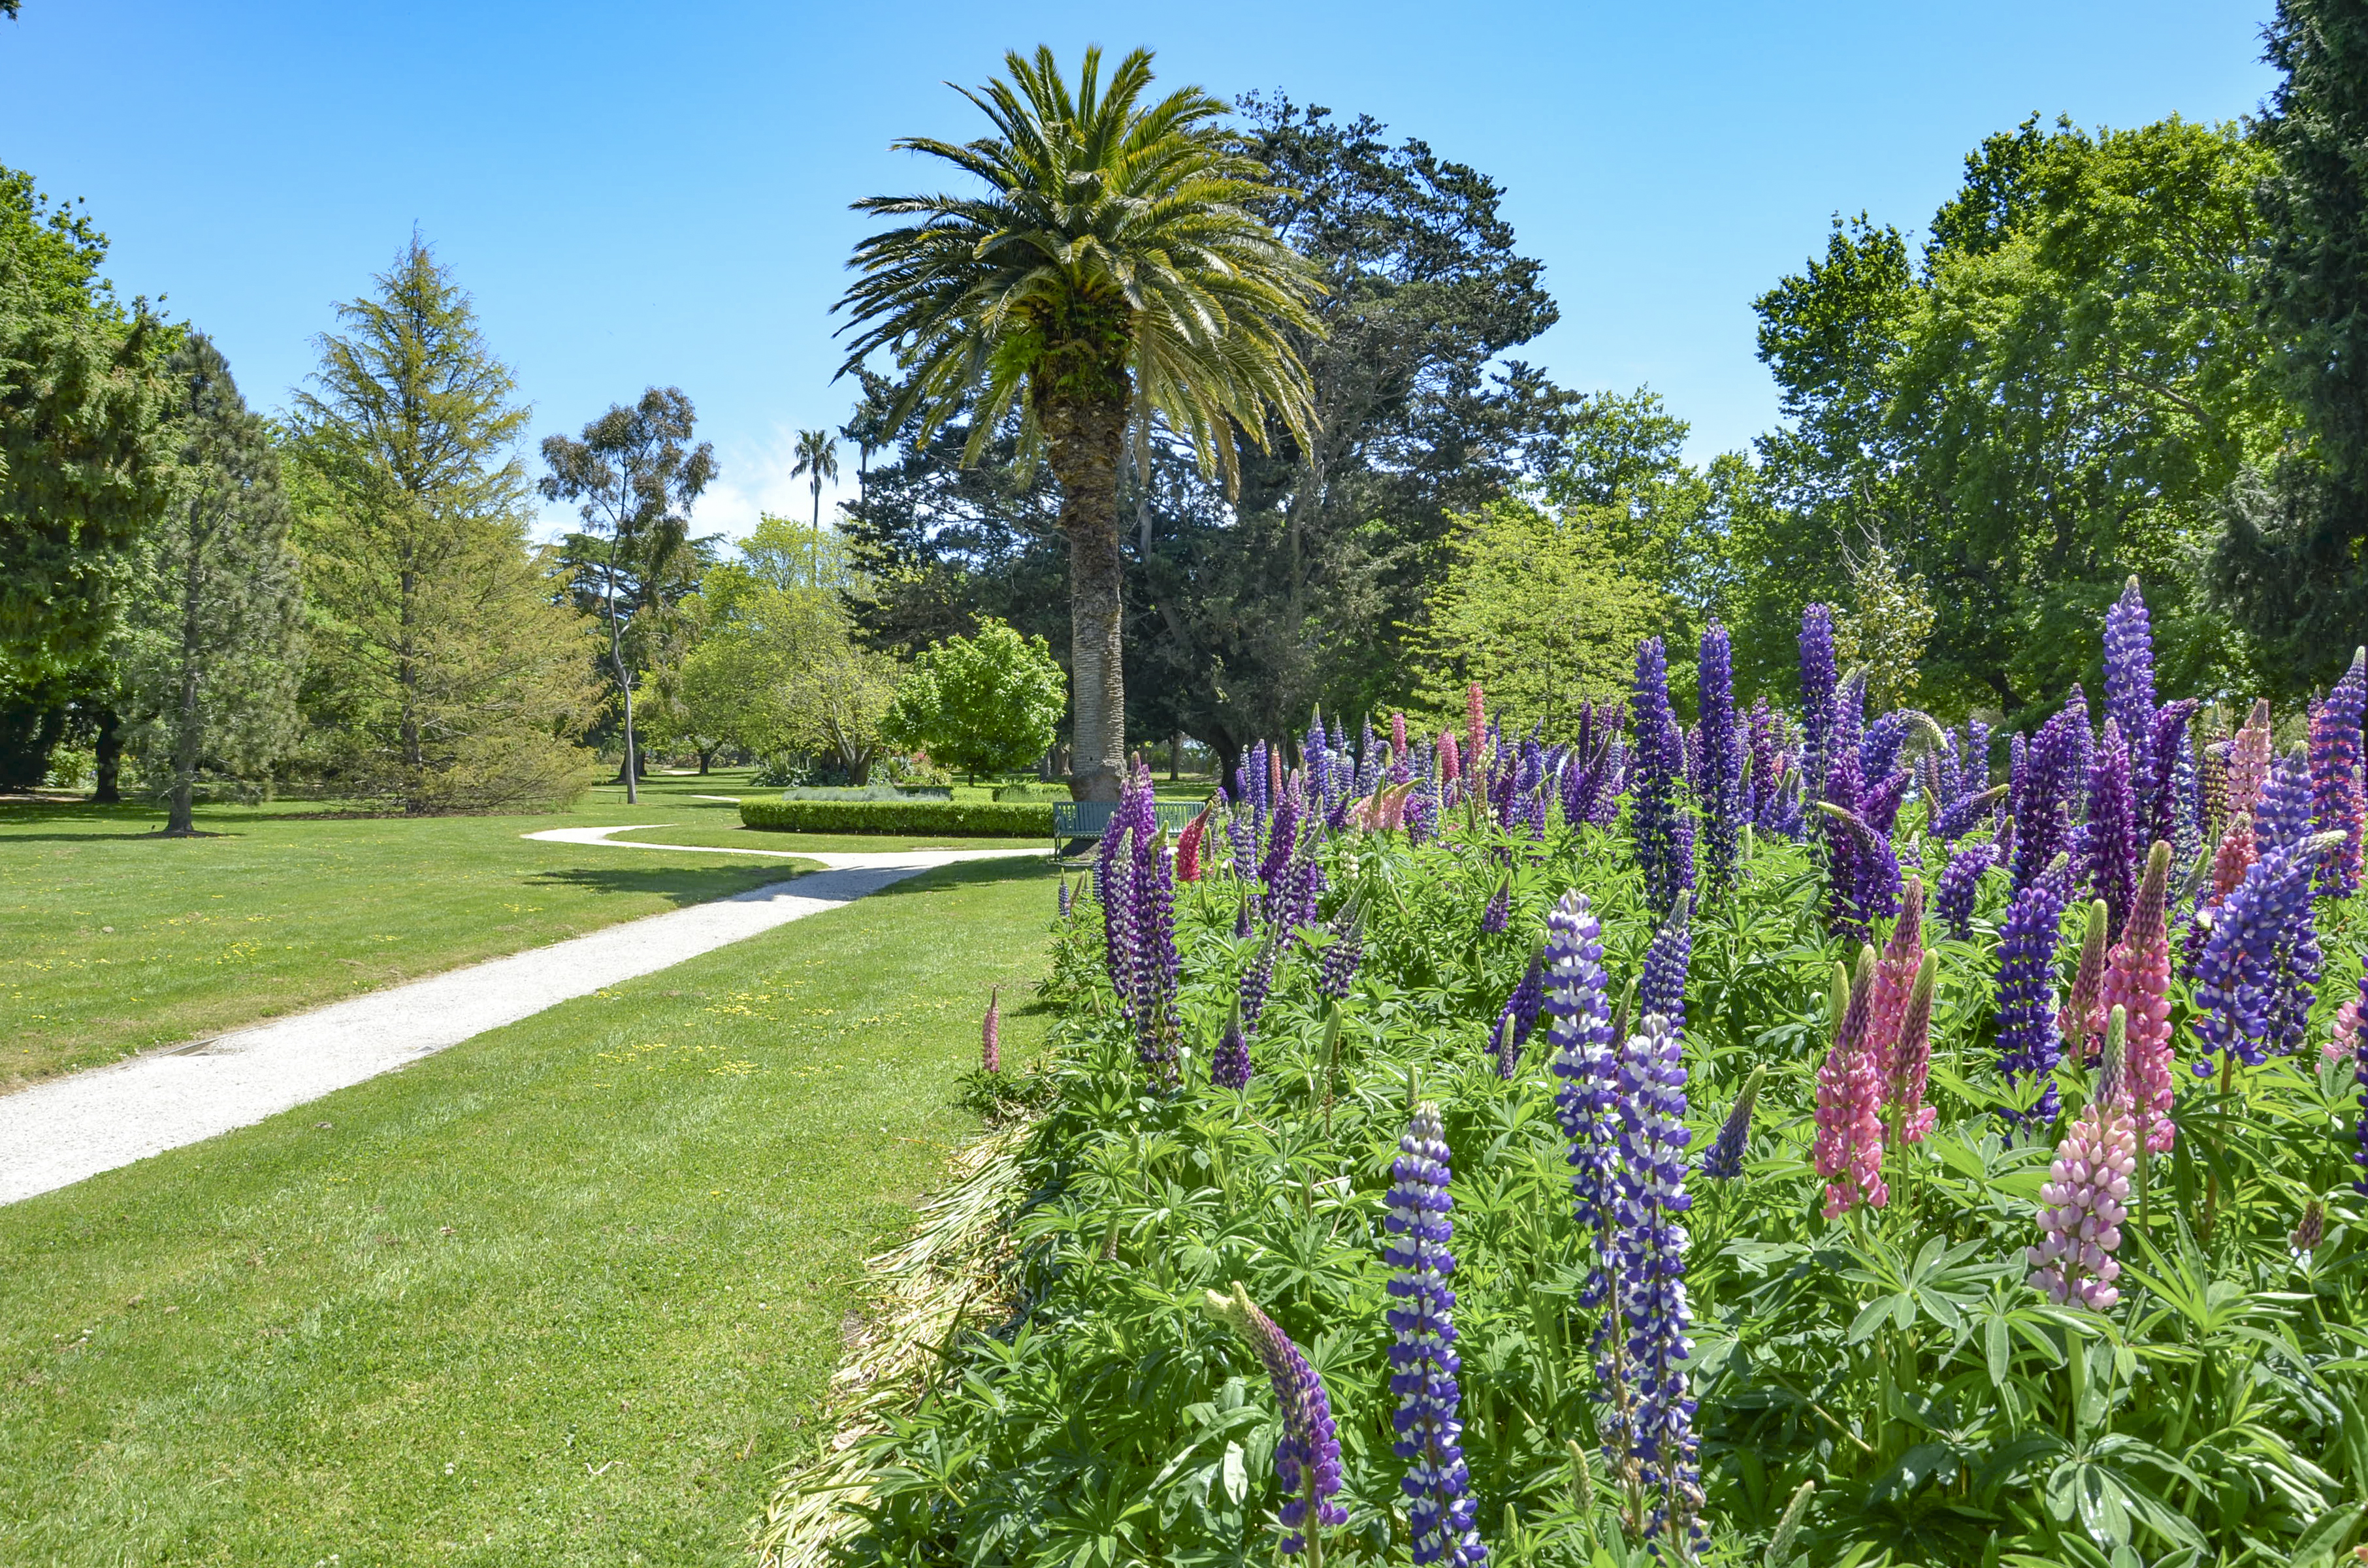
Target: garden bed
x=976 y=819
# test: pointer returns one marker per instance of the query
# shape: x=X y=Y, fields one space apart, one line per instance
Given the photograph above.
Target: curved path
x=55 y=1134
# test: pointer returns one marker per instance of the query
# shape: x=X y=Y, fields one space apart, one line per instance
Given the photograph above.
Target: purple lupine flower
x=1725 y=1160
x=1878 y=751
x=1258 y=979
x=2186 y=798
x=1159 y=970
x=1283 y=842
x=1953 y=900
x=990 y=1033
x=2029 y=1043
x=2129 y=687
x=1423 y=1362
x=1241 y=835
x=1521 y=1015
x=2112 y=846
x=1664 y=828
x=1243 y=922
x=1315 y=759
x=1307 y=1460
x=1763 y=754
x=2282 y=818
x=1498 y=912
x=2055 y=764
x=1336 y=970
x=1120 y=944
x=1720 y=787
x=1649 y=1252
x=1369 y=759
x=1302 y=884
x=1662 y=987
x=1849 y=727
x=2338 y=793
x=1229 y=1065
x=1065 y=900
x=1578 y=1027
x=1818 y=680
x=1861 y=869
x=2261 y=947
x=2158 y=792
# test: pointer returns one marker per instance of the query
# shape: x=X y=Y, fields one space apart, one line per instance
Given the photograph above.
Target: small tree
x=210 y=652
x=982 y=704
x=634 y=476
x=1889 y=624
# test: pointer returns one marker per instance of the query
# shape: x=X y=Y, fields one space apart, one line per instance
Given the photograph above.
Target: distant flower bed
x=978 y=819
x=1605 y=1152
x=869 y=792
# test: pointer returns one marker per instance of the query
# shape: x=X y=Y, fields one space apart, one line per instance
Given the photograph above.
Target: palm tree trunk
x=1085 y=437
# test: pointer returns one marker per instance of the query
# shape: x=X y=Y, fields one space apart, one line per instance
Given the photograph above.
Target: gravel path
x=55 y=1134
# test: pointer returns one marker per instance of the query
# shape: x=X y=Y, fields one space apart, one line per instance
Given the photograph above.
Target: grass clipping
x=950 y=1272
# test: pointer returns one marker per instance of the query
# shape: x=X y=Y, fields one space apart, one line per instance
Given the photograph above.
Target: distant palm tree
x=1110 y=271
x=817 y=457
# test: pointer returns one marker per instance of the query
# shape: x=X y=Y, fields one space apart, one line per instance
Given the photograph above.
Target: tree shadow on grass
x=964 y=873
x=679 y=887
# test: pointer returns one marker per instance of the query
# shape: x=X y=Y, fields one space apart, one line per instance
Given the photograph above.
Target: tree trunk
x=181 y=820
x=108 y=783
x=1085 y=436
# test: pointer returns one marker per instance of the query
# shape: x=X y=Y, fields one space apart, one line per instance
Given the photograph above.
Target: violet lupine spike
x=990 y=1033
x=1849 y=730
x=1423 y=1362
x=1064 y=901
x=1648 y=1249
x=1498 y=912
x=2111 y=844
x=2237 y=972
x=1336 y=972
x=2129 y=678
x=1953 y=900
x=1663 y=826
x=1878 y=752
x=1258 y=979
x=1579 y=1029
x=2086 y=1198
x=2158 y=792
x=1229 y=1065
x=2137 y=980
x=1121 y=942
x=1849 y=1148
x=1724 y=1161
x=1662 y=987
x=2054 y=767
x=1817 y=681
x=1521 y=1015
x=2187 y=804
x=1159 y=970
x=1721 y=774
x=1307 y=1459
x=2338 y=791
x=1315 y=763
x=2028 y=1042
x=1283 y=844
x=2282 y=818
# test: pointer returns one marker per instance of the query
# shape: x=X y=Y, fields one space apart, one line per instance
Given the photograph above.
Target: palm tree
x=1110 y=271
x=817 y=457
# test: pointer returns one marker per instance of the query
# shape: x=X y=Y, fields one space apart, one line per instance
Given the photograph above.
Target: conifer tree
x=446 y=674
x=210 y=652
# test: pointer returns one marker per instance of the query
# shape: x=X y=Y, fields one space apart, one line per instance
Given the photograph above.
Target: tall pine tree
x=2294 y=562
x=209 y=651
x=446 y=674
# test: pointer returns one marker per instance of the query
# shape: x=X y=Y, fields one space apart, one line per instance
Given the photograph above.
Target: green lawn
x=282 y=911
x=564 y=1294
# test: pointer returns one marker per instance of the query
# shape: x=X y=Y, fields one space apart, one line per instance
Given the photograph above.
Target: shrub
x=865 y=793
x=968 y=819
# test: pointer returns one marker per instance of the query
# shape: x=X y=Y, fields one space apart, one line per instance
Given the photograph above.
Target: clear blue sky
x=657 y=193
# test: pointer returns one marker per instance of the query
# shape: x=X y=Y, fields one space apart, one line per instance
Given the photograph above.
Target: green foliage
x=1945 y=1412
x=82 y=459
x=210 y=650
x=2295 y=560
x=2055 y=394
x=1885 y=631
x=1538 y=607
x=446 y=673
x=985 y=704
x=983 y=819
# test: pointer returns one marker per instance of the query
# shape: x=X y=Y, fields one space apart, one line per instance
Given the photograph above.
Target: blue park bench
x=1075 y=822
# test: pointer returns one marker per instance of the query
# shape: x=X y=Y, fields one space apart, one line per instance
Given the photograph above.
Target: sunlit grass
x=564 y=1294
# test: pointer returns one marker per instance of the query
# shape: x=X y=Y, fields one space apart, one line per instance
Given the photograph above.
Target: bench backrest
x=1091 y=819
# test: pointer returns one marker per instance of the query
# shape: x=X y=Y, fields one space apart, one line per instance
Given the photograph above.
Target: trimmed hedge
x=975 y=819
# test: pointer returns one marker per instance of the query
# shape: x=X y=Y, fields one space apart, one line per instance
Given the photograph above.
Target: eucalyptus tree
x=1110 y=270
x=633 y=476
x=817 y=465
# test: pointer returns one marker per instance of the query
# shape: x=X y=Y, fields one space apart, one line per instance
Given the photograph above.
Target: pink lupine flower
x=1475 y=724
x=2239 y=850
x=1850 y=1101
x=2248 y=759
x=1397 y=737
x=1894 y=976
x=990 y=1033
x=2081 y=1020
x=1450 y=762
x=1912 y=1058
x=2347 y=1031
x=2137 y=980
x=2087 y=1195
